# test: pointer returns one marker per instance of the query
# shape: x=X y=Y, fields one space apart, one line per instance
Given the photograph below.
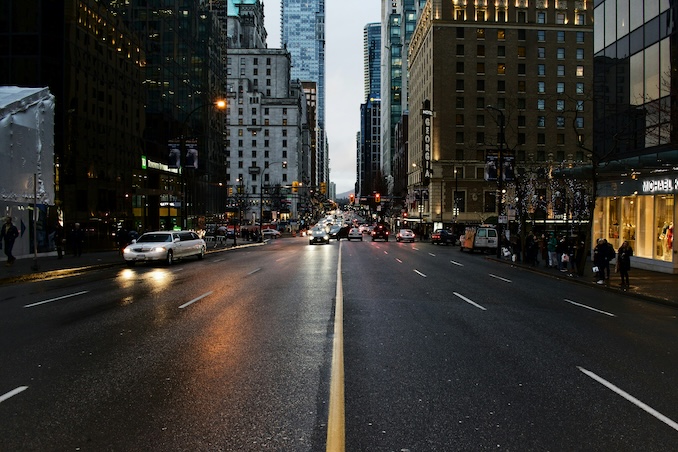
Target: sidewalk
x=47 y=265
x=645 y=285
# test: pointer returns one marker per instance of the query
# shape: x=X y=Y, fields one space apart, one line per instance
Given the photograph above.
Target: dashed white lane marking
x=469 y=301
x=631 y=399
x=419 y=273
x=431 y=254
x=254 y=271
x=589 y=307
x=457 y=263
x=500 y=278
x=12 y=393
x=399 y=261
x=56 y=299
x=188 y=303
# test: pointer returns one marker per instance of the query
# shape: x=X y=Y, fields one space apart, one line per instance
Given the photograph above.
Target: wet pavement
x=645 y=285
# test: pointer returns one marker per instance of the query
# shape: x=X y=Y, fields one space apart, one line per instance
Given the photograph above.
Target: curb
x=583 y=281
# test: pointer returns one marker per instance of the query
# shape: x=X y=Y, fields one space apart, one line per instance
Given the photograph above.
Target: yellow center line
x=336 y=426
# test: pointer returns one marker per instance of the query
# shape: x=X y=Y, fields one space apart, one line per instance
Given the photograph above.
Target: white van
x=481 y=238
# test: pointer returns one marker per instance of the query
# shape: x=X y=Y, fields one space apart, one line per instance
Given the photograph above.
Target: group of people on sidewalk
x=604 y=253
x=563 y=253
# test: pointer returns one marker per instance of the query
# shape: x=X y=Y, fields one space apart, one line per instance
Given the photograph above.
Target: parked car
x=166 y=246
x=442 y=236
x=339 y=232
x=318 y=235
x=481 y=238
x=380 y=231
x=405 y=235
x=270 y=233
x=354 y=233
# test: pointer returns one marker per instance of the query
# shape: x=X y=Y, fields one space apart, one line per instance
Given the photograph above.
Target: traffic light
x=323 y=187
x=377 y=198
x=230 y=191
x=351 y=198
x=295 y=186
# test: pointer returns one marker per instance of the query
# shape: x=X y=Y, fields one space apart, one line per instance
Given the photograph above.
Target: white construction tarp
x=26 y=145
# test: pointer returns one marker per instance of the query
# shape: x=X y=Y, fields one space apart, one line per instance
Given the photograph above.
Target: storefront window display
x=646 y=222
x=664 y=227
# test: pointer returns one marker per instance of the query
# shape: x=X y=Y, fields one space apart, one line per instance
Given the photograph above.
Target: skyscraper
x=303 y=35
x=372 y=60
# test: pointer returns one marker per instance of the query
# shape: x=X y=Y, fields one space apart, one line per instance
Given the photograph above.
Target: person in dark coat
x=8 y=235
x=624 y=263
x=59 y=240
x=600 y=259
x=76 y=238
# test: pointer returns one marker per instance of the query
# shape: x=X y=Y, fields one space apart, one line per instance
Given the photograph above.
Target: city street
x=443 y=351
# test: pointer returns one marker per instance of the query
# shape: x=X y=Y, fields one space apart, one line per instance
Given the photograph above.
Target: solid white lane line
x=589 y=307
x=431 y=254
x=194 y=300
x=12 y=393
x=499 y=277
x=56 y=299
x=254 y=271
x=419 y=273
x=398 y=260
x=457 y=263
x=631 y=399
x=469 y=301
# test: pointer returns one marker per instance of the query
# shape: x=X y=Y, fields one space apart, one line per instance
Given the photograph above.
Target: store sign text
x=660 y=185
x=426 y=146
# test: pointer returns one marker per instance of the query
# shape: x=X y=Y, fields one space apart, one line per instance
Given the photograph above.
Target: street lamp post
x=456 y=191
x=500 y=177
x=219 y=104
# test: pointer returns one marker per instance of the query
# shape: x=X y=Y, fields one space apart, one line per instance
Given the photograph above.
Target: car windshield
x=148 y=238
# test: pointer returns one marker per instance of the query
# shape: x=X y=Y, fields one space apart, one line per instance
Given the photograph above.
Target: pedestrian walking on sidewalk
x=59 y=240
x=551 y=247
x=600 y=260
x=624 y=263
x=8 y=235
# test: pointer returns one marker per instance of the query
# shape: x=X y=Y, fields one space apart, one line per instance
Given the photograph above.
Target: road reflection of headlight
x=160 y=277
x=127 y=274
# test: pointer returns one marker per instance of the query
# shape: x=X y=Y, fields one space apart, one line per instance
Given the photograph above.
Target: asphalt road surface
x=443 y=351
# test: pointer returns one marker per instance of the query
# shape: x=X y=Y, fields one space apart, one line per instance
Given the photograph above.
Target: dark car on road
x=442 y=236
x=380 y=231
x=339 y=232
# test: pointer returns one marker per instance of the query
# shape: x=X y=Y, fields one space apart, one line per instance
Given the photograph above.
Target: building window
x=460 y=67
x=541 y=104
x=480 y=85
x=460 y=137
x=560 y=87
x=580 y=105
x=480 y=50
x=460 y=32
x=522 y=17
x=521 y=69
x=480 y=103
x=541 y=53
x=460 y=49
x=580 y=37
x=580 y=71
x=480 y=120
x=480 y=137
x=541 y=138
x=480 y=33
x=459 y=119
x=522 y=52
x=521 y=86
x=580 y=19
x=541 y=69
x=579 y=122
x=521 y=138
x=501 y=51
x=561 y=70
x=501 y=68
x=460 y=102
x=521 y=121
x=541 y=35
x=541 y=17
x=560 y=18
x=480 y=68
x=560 y=105
x=460 y=84
x=541 y=87
x=490 y=202
x=501 y=86
x=580 y=88
x=560 y=122
x=560 y=139
x=541 y=121
x=580 y=54
x=561 y=36
x=560 y=53
x=501 y=34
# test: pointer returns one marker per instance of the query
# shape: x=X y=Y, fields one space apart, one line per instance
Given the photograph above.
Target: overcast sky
x=344 y=24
